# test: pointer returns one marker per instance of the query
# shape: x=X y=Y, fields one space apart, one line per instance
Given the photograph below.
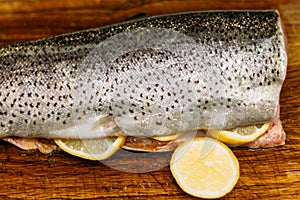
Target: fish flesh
x=148 y=77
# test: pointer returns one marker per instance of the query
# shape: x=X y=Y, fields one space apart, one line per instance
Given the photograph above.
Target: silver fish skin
x=148 y=77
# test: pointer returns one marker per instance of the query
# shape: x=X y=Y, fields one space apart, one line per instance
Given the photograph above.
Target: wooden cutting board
x=265 y=174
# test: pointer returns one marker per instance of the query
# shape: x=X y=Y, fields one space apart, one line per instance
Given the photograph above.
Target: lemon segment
x=168 y=137
x=240 y=135
x=92 y=149
x=205 y=168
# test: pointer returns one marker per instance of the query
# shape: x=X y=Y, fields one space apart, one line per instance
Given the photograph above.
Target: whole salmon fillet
x=148 y=77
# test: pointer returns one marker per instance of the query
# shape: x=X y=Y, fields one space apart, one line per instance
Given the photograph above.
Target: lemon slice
x=92 y=149
x=205 y=168
x=240 y=135
x=168 y=137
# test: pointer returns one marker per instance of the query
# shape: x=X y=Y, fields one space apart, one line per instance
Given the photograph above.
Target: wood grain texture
x=265 y=174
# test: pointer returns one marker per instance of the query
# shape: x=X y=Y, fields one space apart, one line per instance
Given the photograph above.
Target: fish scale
x=154 y=76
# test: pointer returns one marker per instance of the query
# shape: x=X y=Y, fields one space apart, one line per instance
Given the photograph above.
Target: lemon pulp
x=205 y=168
x=92 y=149
x=240 y=135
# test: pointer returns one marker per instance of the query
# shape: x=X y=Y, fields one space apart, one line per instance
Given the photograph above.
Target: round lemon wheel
x=240 y=135
x=92 y=149
x=205 y=168
x=168 y=137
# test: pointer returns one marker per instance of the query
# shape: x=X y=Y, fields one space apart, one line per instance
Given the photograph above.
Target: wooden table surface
x=265 y=174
